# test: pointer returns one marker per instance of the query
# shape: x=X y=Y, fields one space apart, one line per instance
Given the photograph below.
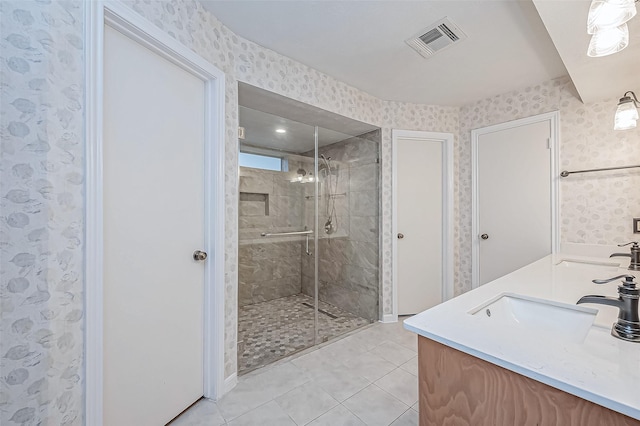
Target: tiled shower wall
x=348 y=260
x=268 y=267
x=41 y=217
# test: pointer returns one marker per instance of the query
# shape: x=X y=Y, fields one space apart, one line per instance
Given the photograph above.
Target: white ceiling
x=362 y=43
x=510 y=44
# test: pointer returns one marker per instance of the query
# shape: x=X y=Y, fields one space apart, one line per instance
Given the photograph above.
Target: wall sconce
x=627 y=112
x=607 y=22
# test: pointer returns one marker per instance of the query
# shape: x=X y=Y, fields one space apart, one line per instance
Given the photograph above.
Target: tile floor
x=366 y=378
x=269 y=331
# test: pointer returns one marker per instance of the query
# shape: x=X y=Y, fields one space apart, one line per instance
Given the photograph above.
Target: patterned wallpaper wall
x=41 y=217
x=41 y=191
x=595 y=208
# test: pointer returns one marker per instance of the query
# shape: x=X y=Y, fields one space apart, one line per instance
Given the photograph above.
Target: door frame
x=554 y=146
x=446 y=139
x=98 y=14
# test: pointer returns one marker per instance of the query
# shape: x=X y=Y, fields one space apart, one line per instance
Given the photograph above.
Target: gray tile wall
x=269 y=268
x=348 y=261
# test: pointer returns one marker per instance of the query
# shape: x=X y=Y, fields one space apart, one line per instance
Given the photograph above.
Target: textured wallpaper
x=41 y=190
x=41 y=203
x=596 y=208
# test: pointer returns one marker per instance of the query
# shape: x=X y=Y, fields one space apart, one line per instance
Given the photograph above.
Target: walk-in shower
x=308 y=227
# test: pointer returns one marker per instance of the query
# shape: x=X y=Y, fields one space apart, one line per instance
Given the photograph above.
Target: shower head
x=326 y=162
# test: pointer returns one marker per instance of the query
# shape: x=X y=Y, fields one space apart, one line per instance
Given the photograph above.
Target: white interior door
x=419 y=217
x=513 y=198
x=153 y=222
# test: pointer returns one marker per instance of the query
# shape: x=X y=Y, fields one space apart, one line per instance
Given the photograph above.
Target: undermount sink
x=513 y=313
x=573 y=263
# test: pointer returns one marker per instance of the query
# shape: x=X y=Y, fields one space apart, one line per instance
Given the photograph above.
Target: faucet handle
x=628 y=280
x=635 y=244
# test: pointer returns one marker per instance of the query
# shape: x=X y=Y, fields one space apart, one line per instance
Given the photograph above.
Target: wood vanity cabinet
x=458 y=389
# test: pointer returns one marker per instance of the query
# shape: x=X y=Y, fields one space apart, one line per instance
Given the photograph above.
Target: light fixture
x=607 y=21
x=627 y=112
x=280 y=130
x=609 y=41
x=608 y=14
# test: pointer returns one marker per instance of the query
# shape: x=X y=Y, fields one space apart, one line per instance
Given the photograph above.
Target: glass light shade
x=626 y=115
x=609 y=41
x=608 y=14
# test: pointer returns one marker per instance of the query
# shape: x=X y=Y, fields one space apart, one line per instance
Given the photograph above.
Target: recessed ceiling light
x=281 y=131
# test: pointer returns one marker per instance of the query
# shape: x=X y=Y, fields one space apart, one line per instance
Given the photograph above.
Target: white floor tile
x=204 y=412
x=370 y=366
x=341 y=382
x=400 y=384
x=375 y=407
x=280 y=379
x=339 y=416
x=244 y=397
x=409 y=418
x=393 y=352
x=309 y=388
x=305 y=403
x=314 y=363
x=407 y=339
x=267 y=414
x=411 y=366
x=362 y=341
x=343 y=350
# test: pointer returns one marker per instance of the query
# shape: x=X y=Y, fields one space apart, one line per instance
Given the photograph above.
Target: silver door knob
x=484 y=236
x=199 y=255
x=400 y=235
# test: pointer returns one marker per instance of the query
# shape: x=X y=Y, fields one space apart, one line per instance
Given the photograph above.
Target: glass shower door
x=308 y=234
x=348 y=231
x=277 y=240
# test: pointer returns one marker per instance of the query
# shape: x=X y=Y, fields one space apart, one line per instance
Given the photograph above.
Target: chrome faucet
x=628 y=325
x=634 y=265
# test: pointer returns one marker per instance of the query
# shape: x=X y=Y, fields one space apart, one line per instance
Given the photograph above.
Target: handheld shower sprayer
x=331 y=225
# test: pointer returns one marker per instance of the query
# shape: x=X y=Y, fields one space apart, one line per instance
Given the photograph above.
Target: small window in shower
x=265 y=162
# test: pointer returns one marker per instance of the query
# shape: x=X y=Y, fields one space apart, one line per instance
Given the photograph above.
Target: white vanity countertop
x=601 y=369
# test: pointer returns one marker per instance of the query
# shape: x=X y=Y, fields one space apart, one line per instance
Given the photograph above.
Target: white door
x=513 y=198
x=418 y=197
x=153 y=222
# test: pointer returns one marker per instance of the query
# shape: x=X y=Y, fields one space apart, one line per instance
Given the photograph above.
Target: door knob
x=484 y=236
x=400 y=235
x=199 y=255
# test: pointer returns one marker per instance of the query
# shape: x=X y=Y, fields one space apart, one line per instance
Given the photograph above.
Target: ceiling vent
x=436 y=37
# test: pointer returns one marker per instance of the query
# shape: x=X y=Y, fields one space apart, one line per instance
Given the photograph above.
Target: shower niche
x=308 y=226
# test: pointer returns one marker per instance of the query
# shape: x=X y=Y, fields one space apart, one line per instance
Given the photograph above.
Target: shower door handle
x=307 y=248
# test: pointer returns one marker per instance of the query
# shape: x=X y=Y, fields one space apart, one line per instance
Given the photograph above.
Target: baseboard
x=230 y=382
x=386 y=318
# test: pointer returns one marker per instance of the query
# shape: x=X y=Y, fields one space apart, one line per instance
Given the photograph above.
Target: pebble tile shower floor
x=269 y=331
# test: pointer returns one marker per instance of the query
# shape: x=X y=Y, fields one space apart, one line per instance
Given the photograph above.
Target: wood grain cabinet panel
x=458 y=389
